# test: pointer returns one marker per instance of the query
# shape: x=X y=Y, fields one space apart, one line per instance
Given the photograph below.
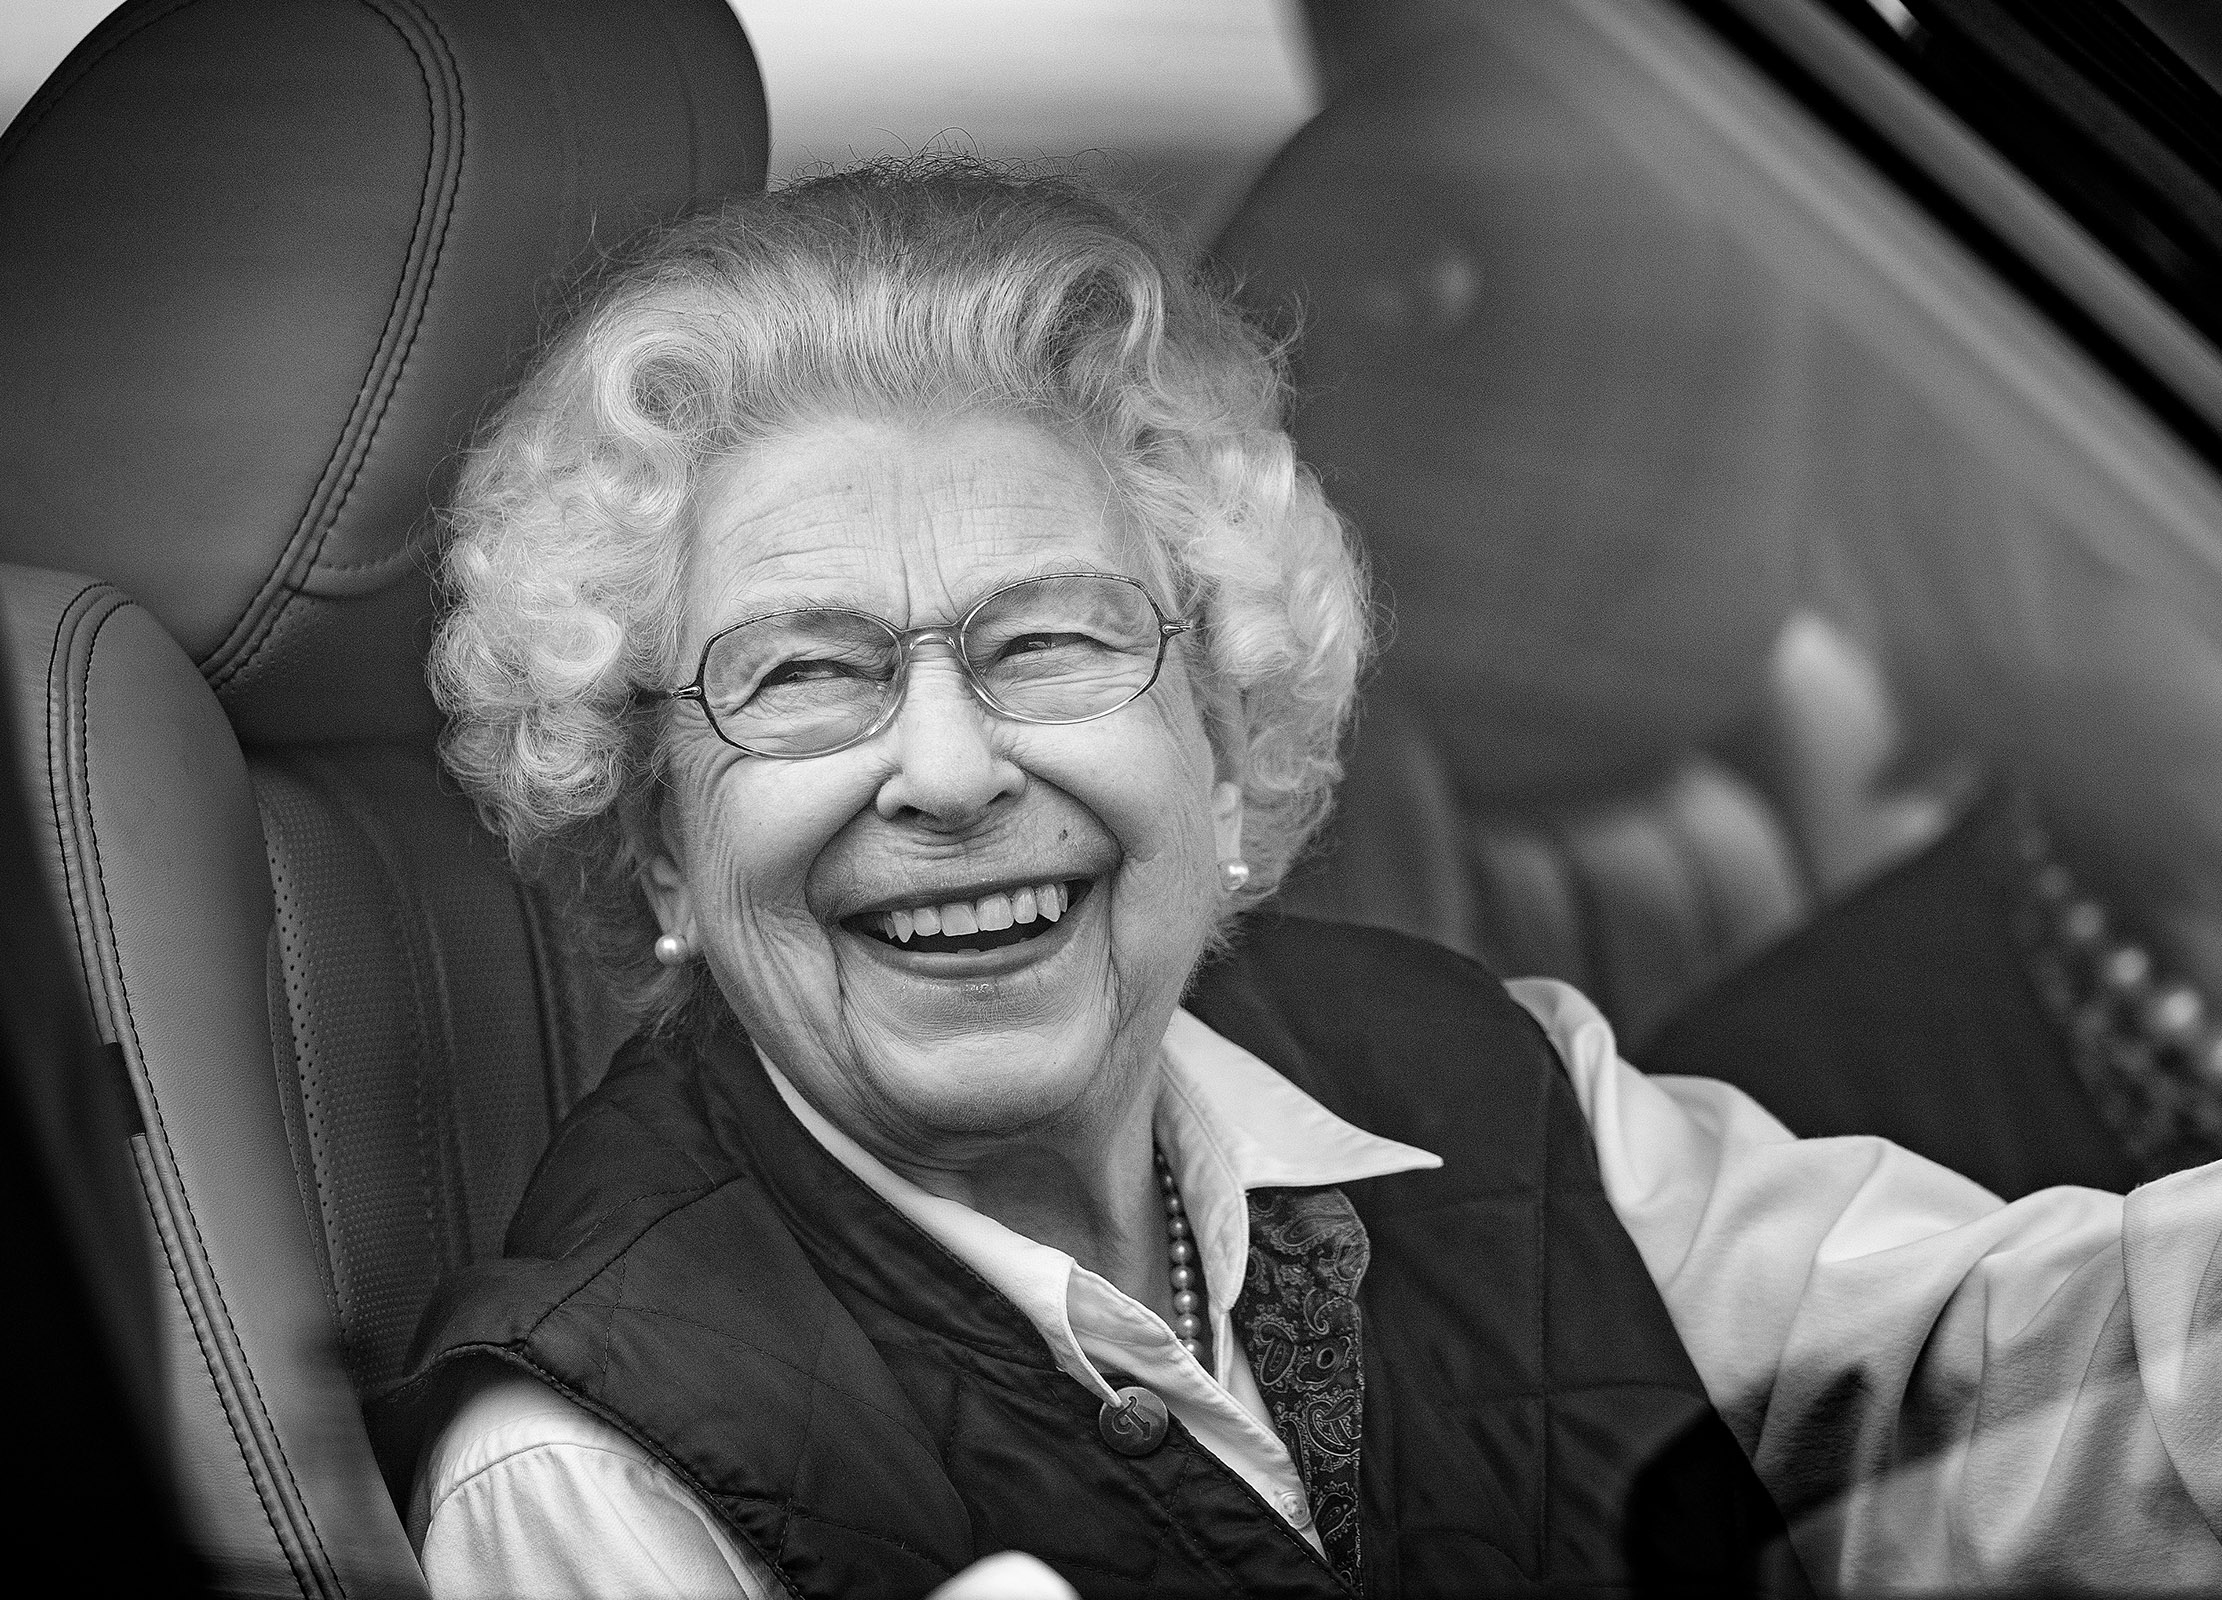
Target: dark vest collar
x=859 y=1242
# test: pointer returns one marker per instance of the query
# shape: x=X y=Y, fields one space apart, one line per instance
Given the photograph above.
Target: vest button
x=1133 y=1421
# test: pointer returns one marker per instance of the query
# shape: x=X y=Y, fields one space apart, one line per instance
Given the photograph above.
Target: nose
x=949 y=767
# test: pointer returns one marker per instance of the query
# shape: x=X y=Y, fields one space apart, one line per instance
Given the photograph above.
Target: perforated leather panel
x=425 y=1039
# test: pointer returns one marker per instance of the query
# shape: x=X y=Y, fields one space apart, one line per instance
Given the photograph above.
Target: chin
x=959 y=1094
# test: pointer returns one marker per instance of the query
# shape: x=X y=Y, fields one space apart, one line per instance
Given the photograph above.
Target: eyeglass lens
x=1059 y=649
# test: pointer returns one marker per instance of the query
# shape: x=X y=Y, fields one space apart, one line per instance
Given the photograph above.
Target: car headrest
x=1555 y=401
x=263 y=264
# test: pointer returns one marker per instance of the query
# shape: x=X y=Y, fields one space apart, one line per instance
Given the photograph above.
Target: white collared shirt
x=2059 y=1359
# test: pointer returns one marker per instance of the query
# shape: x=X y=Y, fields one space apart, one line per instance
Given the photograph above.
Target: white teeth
x=991 y=913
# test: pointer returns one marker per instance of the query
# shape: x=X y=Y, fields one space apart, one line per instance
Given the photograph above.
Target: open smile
x=1000 y=918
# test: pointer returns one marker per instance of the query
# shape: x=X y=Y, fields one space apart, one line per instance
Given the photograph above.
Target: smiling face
x=1071 y=871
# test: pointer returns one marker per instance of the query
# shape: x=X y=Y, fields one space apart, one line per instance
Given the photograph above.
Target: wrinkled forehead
x=911 y=521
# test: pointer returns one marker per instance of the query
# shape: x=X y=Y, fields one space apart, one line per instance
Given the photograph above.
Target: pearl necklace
x=2147 y=1048
x=1134 y=1421
x=1180 y=1255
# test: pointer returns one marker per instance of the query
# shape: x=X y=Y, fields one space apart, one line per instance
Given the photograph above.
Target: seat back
x=263 y=264
x=426 y=1019
x=1639 y=893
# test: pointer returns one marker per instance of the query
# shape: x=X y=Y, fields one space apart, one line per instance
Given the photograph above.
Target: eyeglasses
x=1069 y=647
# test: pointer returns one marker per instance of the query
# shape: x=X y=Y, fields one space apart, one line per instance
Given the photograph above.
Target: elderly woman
x=892 y=619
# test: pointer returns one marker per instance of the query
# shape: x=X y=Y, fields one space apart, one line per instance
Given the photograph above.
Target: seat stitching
x=359 y=436
x=265 y=781
x=53 y=93
x=208 y=1363
x=439 y=1162
x=216 y=1288
x=57 y=787
x=160 y=1124
x=435 y=252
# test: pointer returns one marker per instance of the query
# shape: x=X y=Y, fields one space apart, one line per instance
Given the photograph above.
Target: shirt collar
x=1271 y=1134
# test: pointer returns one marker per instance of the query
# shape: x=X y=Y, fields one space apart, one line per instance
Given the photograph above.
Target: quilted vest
x=1518 y=1416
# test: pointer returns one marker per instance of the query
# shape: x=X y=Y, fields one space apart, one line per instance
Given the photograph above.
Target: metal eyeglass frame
x=950 y=635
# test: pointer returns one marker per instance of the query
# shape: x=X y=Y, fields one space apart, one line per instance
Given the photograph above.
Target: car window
x=1619 y=360
x=34 y=36
x=1178 y=102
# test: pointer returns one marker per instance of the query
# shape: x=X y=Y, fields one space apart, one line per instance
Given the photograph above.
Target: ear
x=664 y=880
x=1226 y=819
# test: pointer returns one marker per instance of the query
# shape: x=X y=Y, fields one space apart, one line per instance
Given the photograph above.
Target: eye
x=808 y=669
x=785 y=663
x=1027 y=644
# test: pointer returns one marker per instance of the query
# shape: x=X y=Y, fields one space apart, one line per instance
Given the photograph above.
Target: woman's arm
x=1941 y=1390
x=526 y=1494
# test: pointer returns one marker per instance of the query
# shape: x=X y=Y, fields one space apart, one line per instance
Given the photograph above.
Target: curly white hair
x=919 y=289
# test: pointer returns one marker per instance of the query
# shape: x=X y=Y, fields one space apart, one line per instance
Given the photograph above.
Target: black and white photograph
x=1112 y=799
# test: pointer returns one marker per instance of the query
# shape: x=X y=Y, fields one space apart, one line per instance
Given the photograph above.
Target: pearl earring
x=1233 y=874
x=672 y=949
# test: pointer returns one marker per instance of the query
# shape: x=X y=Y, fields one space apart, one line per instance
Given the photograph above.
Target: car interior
x=1649 y=405
x=1688 y=452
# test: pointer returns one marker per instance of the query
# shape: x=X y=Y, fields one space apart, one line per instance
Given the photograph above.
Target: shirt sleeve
x=527 y=1494
x=1941 y=1390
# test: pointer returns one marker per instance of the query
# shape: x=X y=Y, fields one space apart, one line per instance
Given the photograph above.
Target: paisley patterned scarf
x=1297 y=1316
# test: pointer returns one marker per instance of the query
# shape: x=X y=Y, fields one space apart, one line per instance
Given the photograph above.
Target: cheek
x=753 y=831
x=1151 y=784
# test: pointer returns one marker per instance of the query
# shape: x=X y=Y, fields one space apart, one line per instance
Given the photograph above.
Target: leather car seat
x=1562 y=409
x=263 y=263
x=1639 y=892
